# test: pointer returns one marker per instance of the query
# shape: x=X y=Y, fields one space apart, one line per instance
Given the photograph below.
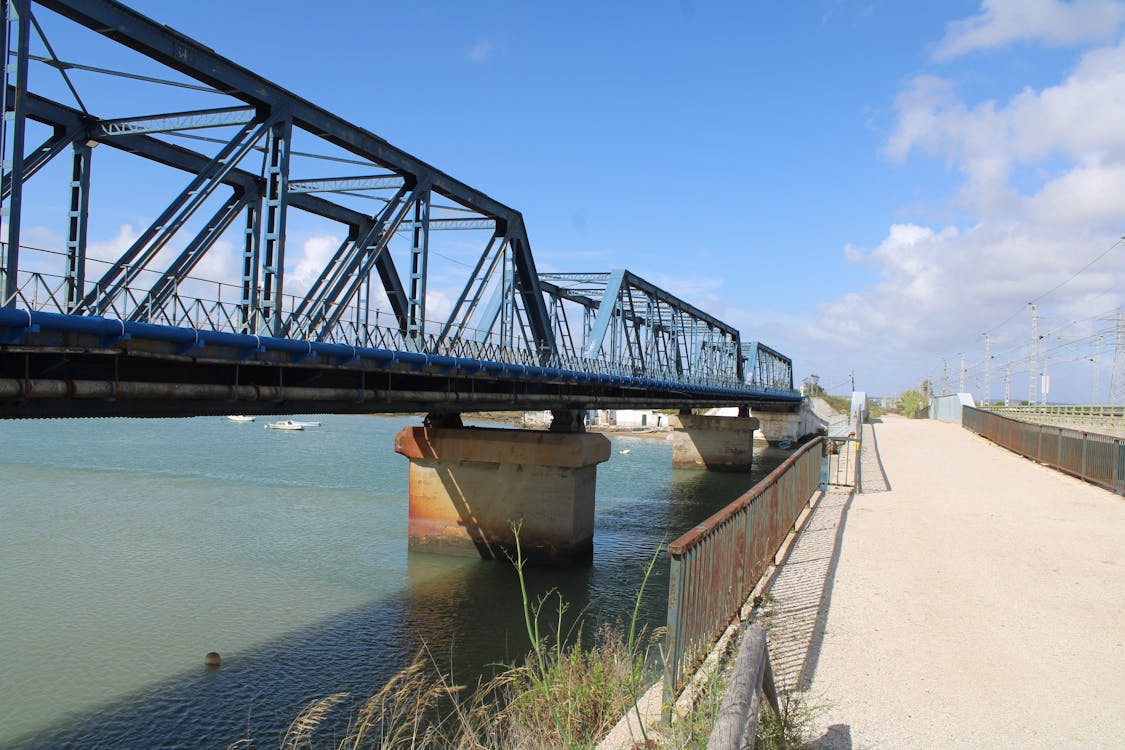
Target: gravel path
x=978 y=603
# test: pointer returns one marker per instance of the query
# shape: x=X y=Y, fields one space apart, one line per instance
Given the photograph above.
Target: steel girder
x=176 y=121
x=15 y=23
x=268 y=116
x=72 y=126
x=142 y=252
x=766 y=367
x=627 y=319
x=76 y=127
x=125 y=26
x=613 y=320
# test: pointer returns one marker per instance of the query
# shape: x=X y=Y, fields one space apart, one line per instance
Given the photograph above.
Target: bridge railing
x=1099 y=459
x=206 y=304
x=1076 y=411
x=1079 y=416
x=716 y=565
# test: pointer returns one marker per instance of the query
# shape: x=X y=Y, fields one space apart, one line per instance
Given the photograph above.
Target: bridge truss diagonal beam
x=190 y=58
x=629 y=319
x=767 y=367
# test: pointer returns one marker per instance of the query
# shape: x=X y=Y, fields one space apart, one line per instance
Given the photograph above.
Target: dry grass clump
x=579 y=696
x=583 y=693
x=563 y=695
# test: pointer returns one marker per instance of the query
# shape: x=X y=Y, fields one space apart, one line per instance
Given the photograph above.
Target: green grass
x=843 y=405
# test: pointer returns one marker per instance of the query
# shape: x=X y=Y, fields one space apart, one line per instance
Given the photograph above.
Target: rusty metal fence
x=841 y=459
x=716 y=565
x=844 y=446
x=1099 y=459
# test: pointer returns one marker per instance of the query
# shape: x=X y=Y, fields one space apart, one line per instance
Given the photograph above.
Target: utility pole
x=1117 y=384
x=1097 y=367
x=987 y=368
x=1045 y=385
x=961 y=386
x=944 y=377
x=1032 y=372
x=1008 y=384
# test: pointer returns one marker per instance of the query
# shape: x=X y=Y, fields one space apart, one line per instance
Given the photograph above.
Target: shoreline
x=516 y=420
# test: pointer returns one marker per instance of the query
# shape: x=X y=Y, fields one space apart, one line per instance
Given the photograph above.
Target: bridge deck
x=977 y=603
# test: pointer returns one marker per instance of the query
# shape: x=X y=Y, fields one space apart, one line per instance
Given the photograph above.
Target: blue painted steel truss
x=766 y=367
x=243 y=183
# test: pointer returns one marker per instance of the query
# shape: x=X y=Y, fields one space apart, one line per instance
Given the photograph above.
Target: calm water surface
x=130 y=548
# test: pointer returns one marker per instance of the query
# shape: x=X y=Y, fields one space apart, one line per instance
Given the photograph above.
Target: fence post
x=1119 y=469
x=1085 y=445
x=737 y=722
x=674 y=637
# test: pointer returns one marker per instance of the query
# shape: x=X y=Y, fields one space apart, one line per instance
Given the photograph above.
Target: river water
x=131 y=548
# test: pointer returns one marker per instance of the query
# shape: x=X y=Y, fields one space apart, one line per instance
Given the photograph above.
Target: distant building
x=603 y=417
x=631 y=418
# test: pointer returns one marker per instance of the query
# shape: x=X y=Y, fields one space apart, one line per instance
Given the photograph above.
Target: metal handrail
x=199 y=303
x=717 y=564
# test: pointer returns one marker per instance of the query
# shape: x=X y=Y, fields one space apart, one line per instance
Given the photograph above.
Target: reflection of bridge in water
x=141 y=332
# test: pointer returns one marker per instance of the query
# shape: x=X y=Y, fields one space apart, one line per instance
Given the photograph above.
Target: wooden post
x=737 y=723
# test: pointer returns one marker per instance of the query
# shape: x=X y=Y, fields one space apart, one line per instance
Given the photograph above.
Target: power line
x=1080 y=270
x=1059 y=286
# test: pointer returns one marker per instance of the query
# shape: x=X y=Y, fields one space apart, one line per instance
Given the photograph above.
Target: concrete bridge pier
x=713 y=443
x=793 y=426
x=468 y=485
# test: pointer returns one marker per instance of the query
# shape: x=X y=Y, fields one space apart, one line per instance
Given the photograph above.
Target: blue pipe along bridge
x=146 y=330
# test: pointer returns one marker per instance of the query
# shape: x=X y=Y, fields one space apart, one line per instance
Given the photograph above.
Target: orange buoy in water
x=213 y=659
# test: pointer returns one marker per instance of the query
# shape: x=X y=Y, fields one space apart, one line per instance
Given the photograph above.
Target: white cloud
x=853 y=255
x=480 y=51
x=1074 y=121
x=315 y=254
x=112 y=249
x=1043 y=175
x=1053 y=22
x=1087 y=195
x=439 y=303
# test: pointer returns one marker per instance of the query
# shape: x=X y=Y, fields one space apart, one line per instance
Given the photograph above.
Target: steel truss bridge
x=146 y=329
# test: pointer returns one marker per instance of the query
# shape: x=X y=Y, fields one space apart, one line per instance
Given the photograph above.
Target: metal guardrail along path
x=717 y=564
x=1099 y=459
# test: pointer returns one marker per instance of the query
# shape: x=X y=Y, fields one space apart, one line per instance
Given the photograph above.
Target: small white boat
x=287 y=424
x=305 y=424
x=625 y=452
x=240 y=418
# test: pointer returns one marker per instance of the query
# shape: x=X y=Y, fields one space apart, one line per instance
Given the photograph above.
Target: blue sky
x=862 y=185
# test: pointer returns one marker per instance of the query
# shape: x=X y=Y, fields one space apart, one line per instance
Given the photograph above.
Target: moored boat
x=287 y=424
x=240 y=418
